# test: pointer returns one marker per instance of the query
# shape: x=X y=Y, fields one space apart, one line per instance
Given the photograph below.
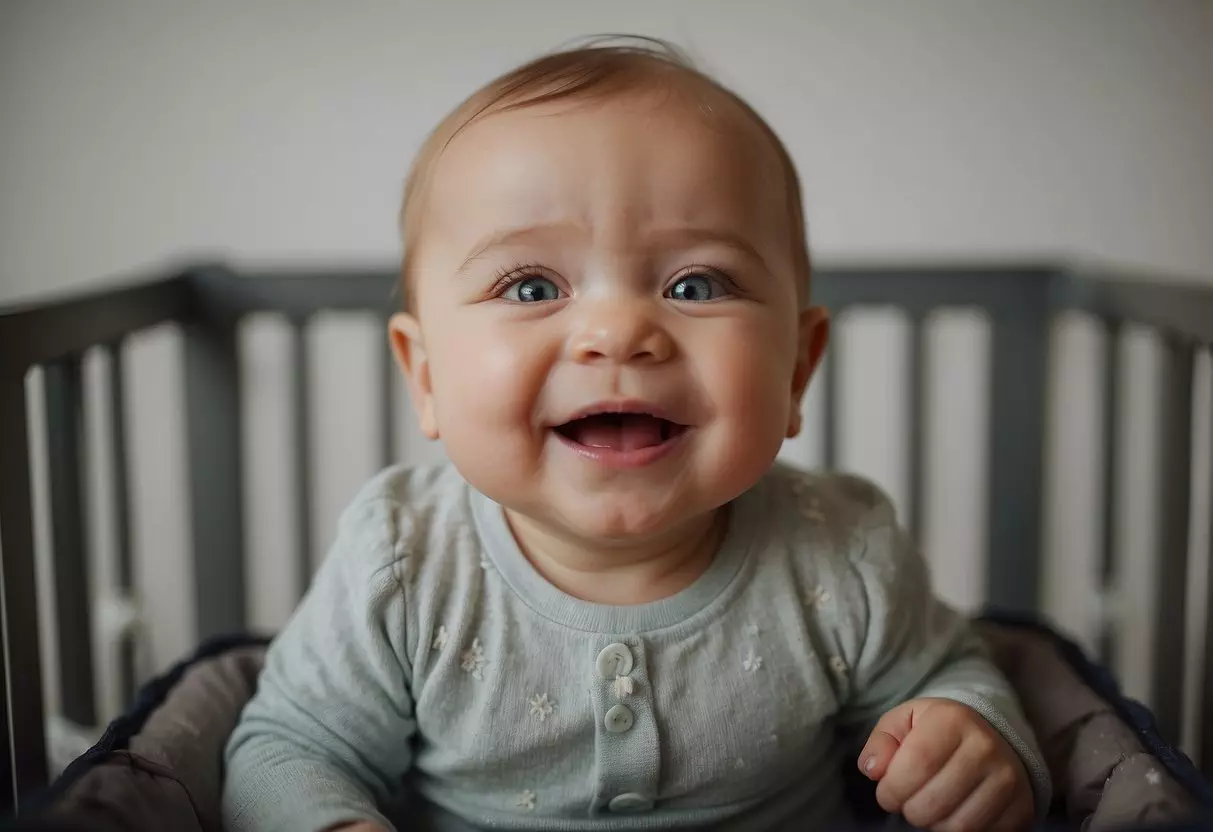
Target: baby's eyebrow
x=719 y=236
x=515 y=236
x=665 y=238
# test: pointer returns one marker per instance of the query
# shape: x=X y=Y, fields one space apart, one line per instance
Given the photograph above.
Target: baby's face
x=608 y=336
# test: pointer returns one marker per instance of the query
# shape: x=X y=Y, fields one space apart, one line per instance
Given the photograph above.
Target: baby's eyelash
x=509 y=275
x=705 y=269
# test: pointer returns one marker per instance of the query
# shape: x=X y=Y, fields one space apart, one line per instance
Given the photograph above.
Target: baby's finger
x=919 y=759
x=877 y=754
x=884 y=741
x=944 y=793
x=989 y=807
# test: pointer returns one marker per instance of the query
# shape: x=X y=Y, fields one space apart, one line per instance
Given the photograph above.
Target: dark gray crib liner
x=118 y=735
x=1133 y=713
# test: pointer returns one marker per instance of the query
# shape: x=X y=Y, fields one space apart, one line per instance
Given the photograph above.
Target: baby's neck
x=621 y=574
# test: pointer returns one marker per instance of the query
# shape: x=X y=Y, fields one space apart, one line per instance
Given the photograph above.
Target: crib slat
x=23 y=765
x=1171 y=567
x=7 y=797
x=64 y=413
x=917 y=416
x=387 y=405
x=1111 y=479
x=214 y=444
x=301 y=373
x=1205 y=702
x=120 y=484
x=1019 y=362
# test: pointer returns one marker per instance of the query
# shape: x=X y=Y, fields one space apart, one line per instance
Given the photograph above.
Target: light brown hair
x=600 y=68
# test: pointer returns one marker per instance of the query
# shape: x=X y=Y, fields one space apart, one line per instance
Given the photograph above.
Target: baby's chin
x=626 y=521
x=616 y=508
x=609 y=519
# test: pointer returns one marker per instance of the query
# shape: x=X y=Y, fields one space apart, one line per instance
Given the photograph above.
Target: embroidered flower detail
x=541 y=706
x=813 y=513
x=1153 y=777
x=751 y=630
x=623 y=686
x=819 y=597
x=838 y=666
x=472 y=660
x=752 y=662
x=526 y=800
x=440 y=638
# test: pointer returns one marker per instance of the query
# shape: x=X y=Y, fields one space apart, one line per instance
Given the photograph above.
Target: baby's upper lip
x=622 y=406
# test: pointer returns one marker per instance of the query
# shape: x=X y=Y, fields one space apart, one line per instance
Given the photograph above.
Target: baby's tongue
x=616 y=431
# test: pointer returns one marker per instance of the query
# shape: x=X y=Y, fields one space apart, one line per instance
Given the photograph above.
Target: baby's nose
x=621 y=334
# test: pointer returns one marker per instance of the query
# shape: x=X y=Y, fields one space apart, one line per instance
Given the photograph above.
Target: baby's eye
x=532 y=290
x=697 y=288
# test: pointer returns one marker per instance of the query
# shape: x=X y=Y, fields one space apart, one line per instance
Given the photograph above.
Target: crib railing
x=211 y=303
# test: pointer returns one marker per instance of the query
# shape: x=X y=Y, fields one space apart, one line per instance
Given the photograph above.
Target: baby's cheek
x=754 y=393
x=492 y=384
x=758 y=359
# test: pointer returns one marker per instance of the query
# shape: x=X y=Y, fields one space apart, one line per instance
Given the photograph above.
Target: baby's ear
x=408 y=346
x=811 y=339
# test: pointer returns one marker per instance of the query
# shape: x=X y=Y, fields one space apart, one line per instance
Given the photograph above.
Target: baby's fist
x=942 y=767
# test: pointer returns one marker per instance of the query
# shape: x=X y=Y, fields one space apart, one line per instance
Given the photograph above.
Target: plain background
x=137 y=134
x=139 y=131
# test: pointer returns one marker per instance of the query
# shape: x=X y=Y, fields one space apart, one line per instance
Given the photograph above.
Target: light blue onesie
x=431 y=660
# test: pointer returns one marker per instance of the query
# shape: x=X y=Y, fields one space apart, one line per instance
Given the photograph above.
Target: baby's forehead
x=689 y=140
x=622 y=176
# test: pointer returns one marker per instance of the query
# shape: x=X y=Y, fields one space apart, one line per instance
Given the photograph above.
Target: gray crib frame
x=210 y=301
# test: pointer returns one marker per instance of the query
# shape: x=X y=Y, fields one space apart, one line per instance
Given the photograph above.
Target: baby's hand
x=942 y=767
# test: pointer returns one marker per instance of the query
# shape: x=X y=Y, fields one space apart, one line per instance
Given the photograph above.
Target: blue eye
x=697 y=288
x=532 y=290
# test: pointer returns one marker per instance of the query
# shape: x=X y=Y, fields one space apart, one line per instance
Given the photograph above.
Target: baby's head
x=607 y=293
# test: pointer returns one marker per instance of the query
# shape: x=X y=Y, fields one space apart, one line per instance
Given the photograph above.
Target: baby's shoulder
x=832 y=524
x=837 y=501
x=405 y=512
x=423 y=487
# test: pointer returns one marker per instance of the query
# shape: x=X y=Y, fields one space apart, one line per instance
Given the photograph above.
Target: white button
x=619 y=719
x=615 y=660
x=630 y=803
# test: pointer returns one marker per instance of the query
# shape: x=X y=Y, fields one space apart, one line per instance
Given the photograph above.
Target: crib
x=1019 y=302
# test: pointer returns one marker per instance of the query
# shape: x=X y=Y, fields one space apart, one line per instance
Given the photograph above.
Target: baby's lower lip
x=623 y=459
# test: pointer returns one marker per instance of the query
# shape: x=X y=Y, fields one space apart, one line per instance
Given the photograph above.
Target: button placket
x=627 y=746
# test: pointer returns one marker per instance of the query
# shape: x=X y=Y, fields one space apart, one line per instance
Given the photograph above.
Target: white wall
x=134 y=133
x=137 y=131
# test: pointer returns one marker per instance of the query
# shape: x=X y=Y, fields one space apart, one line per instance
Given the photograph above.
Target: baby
x=614 y=609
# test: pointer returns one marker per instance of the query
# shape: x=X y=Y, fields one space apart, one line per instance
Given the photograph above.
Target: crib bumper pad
x=160 y=766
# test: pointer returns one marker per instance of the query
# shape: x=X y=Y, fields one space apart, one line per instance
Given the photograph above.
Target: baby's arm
x=918 y=660
x=327 y=737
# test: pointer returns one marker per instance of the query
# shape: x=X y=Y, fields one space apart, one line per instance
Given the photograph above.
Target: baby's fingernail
x=869 y=765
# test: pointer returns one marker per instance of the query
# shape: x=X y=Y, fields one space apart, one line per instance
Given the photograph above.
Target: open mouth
x=620 y=432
